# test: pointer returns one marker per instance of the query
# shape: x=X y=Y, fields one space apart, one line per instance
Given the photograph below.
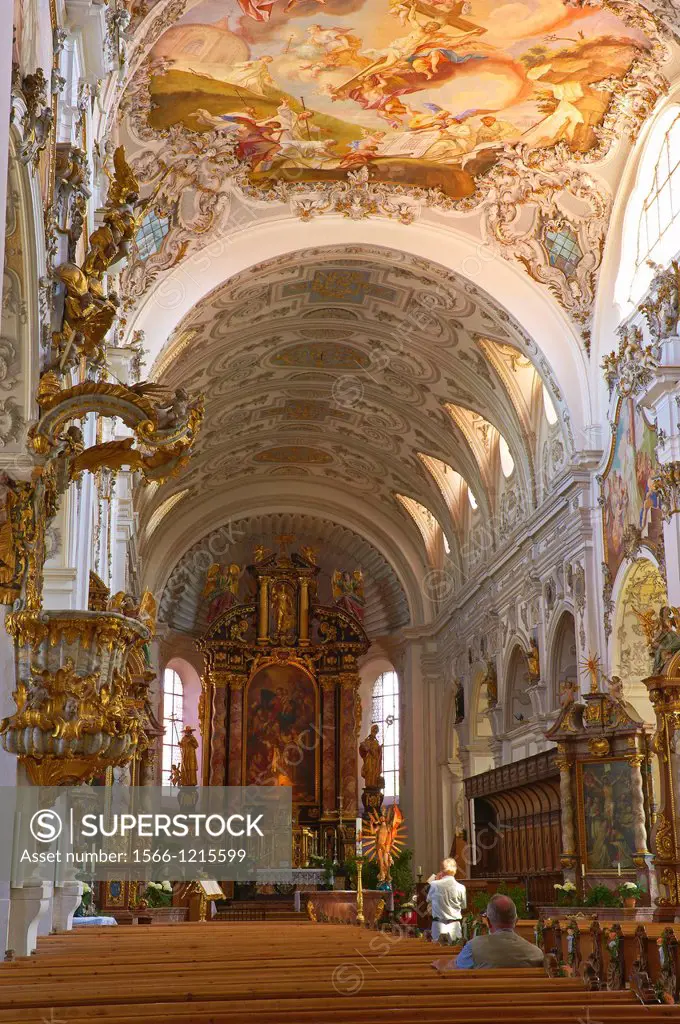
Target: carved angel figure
x=666 y=641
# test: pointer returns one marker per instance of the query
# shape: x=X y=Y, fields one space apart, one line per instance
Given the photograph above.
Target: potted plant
x=83 y=909
x=158 y=894
x=630 y=893
x=566 y=894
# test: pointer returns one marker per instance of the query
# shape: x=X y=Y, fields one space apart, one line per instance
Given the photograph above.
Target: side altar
x=280 y=701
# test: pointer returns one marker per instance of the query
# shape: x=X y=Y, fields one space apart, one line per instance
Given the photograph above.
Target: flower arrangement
x=158 y=894
x=566 y=894
x=629 y=892
x=85 y=904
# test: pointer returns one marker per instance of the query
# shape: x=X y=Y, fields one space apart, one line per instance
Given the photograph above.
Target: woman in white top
x=449 y=899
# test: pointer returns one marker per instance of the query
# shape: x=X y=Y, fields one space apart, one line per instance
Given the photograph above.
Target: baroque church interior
x=340 y=455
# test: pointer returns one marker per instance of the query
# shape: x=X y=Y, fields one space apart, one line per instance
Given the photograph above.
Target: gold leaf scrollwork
x=664 y=842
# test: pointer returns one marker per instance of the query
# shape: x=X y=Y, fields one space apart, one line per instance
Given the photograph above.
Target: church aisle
x=256 y=973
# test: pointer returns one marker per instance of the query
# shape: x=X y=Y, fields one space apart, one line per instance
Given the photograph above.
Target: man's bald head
x=501 y=912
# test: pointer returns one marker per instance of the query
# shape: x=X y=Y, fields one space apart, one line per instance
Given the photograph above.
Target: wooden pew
x=286 y=973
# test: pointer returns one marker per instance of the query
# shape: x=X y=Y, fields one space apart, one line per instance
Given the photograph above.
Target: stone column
x=218 y=745
x=569 y=855
x=329 y=748
x=236 y=688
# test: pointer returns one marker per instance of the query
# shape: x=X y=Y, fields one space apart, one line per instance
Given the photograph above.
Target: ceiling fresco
x=426 y=93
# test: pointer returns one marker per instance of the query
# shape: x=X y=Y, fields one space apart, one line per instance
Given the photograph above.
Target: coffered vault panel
x=182 y=608
x=339 y=365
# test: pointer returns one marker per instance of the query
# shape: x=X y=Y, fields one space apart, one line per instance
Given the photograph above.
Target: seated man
x=448 y=898
x=502 y=947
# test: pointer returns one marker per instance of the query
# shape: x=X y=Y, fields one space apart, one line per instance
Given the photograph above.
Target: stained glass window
x=152 y=231
x=173 y=720
x=563 y=249
x=386 y=716
x=661 y=207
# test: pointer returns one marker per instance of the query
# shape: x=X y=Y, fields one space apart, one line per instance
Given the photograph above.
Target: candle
x=420 y=869
x=618 y=867
x=583 y=870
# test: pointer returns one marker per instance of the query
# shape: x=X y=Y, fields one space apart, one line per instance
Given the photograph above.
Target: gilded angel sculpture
x=382 y=839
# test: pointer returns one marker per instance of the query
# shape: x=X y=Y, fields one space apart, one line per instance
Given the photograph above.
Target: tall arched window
x=386 y=715
x=661 y=206
x=173 y=720
x=650 y=230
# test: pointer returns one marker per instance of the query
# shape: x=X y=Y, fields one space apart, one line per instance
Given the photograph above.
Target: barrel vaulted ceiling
x=368 y=371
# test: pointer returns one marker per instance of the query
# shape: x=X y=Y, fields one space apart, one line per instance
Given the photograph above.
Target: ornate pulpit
x=280 y=701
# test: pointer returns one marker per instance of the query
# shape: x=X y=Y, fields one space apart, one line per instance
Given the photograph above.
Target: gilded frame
x=293 y=663
x=581 y=819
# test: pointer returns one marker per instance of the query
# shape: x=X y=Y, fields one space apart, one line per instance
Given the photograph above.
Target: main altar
x=280 y=702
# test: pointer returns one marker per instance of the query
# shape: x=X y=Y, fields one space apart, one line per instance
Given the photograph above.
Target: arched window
x=173 y=720
x=386 y=715
x=549 y=408
x=507 y=461
x=661 y=206
x=650 y=231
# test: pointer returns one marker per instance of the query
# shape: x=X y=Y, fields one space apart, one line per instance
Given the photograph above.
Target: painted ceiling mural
x=425 y=93
x=390 y=108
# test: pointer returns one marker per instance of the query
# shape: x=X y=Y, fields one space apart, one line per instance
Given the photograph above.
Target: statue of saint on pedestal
x=188 y=745
x=371 y=756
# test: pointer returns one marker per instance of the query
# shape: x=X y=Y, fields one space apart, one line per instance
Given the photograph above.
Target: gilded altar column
x=569 y=855
x=205 y=707
x=329 y=796
x=304 y=611
x=218 y=739
x=236 y=688
x=664 y=693
x=263 y=611
x=350 y=725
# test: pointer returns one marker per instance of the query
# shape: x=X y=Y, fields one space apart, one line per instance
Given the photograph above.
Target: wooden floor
x=262 y=973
